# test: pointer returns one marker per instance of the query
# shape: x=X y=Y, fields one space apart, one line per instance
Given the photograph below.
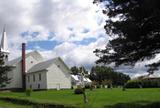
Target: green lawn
x=98 y=98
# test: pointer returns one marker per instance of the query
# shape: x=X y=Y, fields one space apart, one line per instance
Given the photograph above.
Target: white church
x=32 y=71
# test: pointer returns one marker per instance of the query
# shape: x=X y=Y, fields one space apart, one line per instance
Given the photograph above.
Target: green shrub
x=28 y=92
x=124 y=88
x=72 y=87
x=87 y=86
x=134 y=84
x=143 y=83
x=98 y=86
x=151 y=83
x=79 y=91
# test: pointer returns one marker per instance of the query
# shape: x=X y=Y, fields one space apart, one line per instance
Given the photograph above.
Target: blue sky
x=71 y=29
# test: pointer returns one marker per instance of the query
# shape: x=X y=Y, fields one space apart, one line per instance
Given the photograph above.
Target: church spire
x=4 y=45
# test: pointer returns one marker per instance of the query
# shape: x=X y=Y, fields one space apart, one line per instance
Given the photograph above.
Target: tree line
x=103 y=75
x=107 y=76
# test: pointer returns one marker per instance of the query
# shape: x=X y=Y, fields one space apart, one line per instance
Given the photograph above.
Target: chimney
x=23 y=66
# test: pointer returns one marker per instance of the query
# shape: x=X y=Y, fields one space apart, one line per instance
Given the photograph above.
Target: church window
x=31 y=61
x=39 y=86
x=40 y=77
x=30 y=86
x=33 y=78
x=58 y=66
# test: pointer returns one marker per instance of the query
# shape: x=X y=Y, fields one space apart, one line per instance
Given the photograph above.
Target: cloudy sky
x=71 y=29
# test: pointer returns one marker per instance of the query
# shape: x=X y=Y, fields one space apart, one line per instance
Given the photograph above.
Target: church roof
x=43 y=65
x=4 y=45
x=78 y=78
x=35 y=54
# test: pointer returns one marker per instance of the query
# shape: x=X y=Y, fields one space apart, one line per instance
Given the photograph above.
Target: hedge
x=34 y=104
x=143 y=83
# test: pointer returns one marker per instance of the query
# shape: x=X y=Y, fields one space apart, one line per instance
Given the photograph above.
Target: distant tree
x=74 y=70
x=84 y=70
x=3 y=72
x=100 y=73
x=134 y=26
x=103 y=74
x=77 y=70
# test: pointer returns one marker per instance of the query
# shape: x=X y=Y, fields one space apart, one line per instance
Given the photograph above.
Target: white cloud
x=77 y=55
x=60 y=15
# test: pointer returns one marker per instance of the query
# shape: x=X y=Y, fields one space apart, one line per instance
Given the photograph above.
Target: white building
x=78 y=80
x=31 y=71
x=51 y=74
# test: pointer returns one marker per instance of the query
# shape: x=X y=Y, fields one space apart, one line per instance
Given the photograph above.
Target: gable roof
x=42 y=65
x=36 y=55
x=78 y=78
x=46 y=64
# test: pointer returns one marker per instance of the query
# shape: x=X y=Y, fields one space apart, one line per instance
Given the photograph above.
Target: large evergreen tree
x=134 y=26
x=3 y=72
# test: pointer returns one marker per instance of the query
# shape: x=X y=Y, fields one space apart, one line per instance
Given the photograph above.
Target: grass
x=98 y=98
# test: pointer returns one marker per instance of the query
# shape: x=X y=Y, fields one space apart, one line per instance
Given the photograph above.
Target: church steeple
x=4 y=45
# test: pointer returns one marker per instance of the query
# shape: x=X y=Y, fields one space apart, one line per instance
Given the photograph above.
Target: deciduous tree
x=102 y=74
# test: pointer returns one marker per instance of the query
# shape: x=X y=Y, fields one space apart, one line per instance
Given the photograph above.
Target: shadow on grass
x=138 y=104
x=34 y=104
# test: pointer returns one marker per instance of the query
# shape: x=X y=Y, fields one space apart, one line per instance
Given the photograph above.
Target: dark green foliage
x=34 y=104
x=133 y=84
x=137 y=32
x=124 y=88
x=28 y=92
x=79 y=91
x=74 y=70
x=72 y=87
x=143 y=83
x=3 y=72
x=151 y=83
x=87 y=86
x=107 y=76
x=77 y=70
